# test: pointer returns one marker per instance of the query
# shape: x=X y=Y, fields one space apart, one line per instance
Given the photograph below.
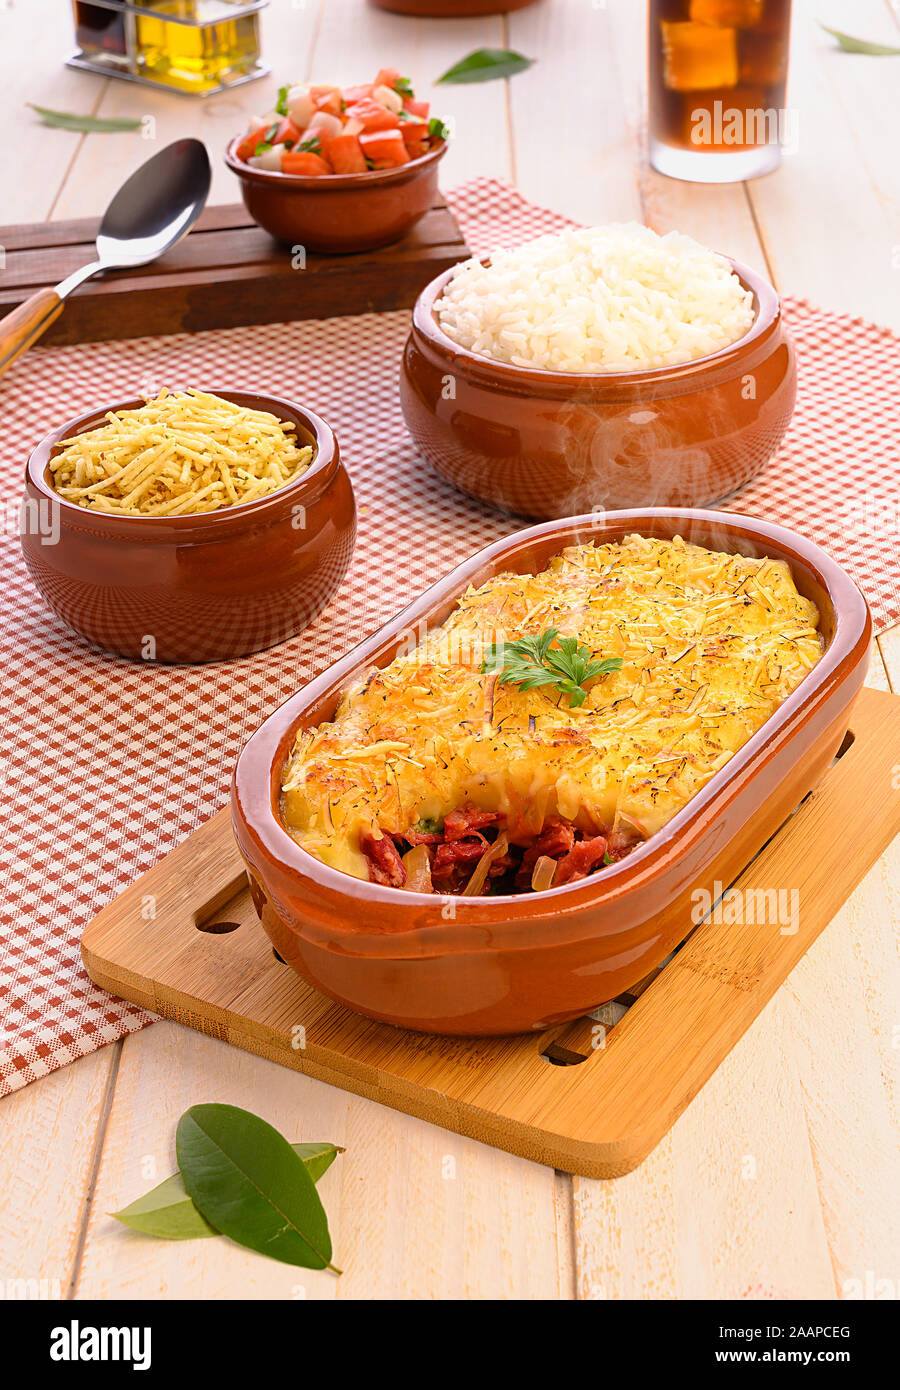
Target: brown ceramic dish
x=338 y=213
x=206 y=587
x=450 y=9
x=552 y=444
x=514 y=963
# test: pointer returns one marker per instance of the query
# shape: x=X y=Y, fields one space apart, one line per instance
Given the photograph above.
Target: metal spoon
x=152 y=211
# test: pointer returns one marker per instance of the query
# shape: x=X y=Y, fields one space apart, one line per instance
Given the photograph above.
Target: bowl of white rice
x=598 y=368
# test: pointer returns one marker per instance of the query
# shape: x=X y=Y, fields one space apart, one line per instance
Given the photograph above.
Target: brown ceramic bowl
x=450 y=9
x=339 y=213
x=207 y=587
x=515 y=963
x=552 y=444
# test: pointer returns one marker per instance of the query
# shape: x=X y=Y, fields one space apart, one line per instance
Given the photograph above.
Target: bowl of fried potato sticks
x=192 y=526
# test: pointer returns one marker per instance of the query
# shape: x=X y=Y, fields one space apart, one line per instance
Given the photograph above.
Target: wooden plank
x=47 y=1158
x=830 y=217
x=569 y=112
x=414 y=1212
x=736 y=1202
x=600 y=1118
x=226 y=276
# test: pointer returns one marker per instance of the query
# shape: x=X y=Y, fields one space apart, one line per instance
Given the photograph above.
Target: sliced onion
x=542 y=874
x=417 y=863
x=494 y=851
x=636 y=824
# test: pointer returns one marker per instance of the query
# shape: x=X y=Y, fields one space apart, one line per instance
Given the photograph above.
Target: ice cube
x=763 y=58
x=726 y=14
x=696 y=56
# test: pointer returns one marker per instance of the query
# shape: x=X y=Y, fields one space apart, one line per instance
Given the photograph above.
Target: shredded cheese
x=711 y=665
x=182 y=453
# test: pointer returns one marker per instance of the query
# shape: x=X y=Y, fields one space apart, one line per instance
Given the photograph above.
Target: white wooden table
x=780 y=1180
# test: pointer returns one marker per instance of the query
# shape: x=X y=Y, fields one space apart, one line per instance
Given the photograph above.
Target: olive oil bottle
x=193 y=46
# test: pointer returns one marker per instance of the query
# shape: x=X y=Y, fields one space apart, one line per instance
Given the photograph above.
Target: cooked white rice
x=598 y=299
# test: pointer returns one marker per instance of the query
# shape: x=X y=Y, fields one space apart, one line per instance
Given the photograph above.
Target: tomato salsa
x=321 y=130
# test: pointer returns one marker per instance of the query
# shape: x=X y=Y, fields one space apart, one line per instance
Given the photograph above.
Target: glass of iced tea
x=717 y=80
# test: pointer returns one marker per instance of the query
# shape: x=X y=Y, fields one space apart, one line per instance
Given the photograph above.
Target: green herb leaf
x=311 y=143
x=168 y=1212
x=281 y=103
x=247 y=1181
x=851 y=45
x=437 y=130
x=486 y=64
x=403 y=88
x=262 y=147
x=90 y=125
x=533 y=662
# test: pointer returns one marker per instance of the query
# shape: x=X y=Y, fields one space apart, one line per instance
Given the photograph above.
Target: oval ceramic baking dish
x=509 y=964
x=550 y=444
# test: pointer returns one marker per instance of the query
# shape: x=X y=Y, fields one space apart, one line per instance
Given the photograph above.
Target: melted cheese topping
x=710 y=643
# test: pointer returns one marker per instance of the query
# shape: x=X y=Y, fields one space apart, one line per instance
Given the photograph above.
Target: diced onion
x=542 y=874
x=417 y=863
x=492 y=853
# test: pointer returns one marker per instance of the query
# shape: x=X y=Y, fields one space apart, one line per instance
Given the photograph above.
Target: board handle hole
x=218 y=928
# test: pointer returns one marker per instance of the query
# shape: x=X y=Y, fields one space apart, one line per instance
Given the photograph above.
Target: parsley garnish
x=533 y=661
x=403 y=87
x=437 y=130
x=281 y=103
x=312 y=144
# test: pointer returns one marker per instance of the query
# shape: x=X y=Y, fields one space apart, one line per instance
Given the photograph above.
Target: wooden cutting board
x=591 y=1097
x=227 y=272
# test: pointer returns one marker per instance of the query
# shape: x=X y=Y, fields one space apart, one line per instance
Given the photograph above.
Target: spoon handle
x=25 y=324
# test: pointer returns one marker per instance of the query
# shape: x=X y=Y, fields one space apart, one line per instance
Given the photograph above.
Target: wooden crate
x=227 y=272
x=591 y=1097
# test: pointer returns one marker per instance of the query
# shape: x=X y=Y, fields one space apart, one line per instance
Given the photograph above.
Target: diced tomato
x=387 y=77
x=248 y=145
x=287 y=133
x=354 y=94
x=344 y=154
x=417 y=108
x=372 y=115
x=304 y=162
x=414 y=132
x=385 y=148
x=328 y=99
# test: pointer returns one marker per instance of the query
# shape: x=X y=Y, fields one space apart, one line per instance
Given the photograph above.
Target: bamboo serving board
x=227 y=272
x=591 y=1097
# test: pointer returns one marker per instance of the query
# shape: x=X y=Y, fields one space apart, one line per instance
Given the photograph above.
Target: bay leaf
x=166 y=1211
x=247 y=1181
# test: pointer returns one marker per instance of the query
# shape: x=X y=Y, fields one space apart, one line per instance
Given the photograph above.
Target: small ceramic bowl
x=513 y=963
x=339 y=213
x=549 y=444
x=206 y=587
x=450 y=9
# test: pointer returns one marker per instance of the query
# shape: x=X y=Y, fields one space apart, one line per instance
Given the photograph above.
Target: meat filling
x=561 y=853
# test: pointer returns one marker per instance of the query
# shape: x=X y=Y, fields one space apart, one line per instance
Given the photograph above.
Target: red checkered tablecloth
x=107 y=765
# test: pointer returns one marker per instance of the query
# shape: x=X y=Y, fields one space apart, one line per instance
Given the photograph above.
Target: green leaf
x=533 y=662
x=281 y=103
x=403 y=88
x=248 y=1182
x=486 y=64
x=437 y=129
x=168 y=1212
x=851 y=45
x=91 y=125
